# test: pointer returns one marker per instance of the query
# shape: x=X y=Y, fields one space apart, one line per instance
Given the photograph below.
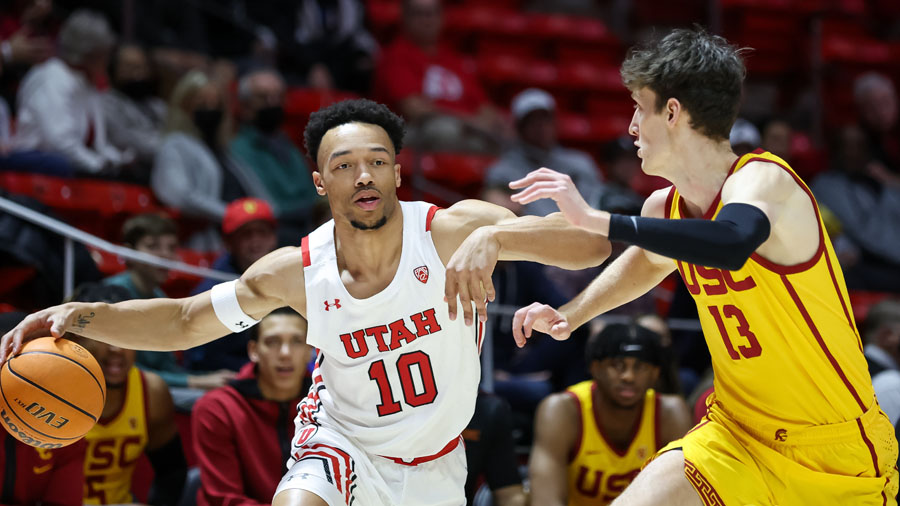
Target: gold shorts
x=738 y=463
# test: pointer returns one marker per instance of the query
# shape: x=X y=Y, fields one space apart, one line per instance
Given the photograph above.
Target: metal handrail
x=72 y=234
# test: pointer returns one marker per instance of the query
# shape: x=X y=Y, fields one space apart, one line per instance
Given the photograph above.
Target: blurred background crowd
x=174 y=127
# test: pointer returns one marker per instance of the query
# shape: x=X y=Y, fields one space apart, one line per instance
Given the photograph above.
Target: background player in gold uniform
x=138 y=418
x=794 y=418
x=592 y=439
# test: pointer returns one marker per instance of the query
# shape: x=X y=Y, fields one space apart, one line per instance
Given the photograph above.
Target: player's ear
x=252 y=351
x=397 y=175
x=673 y=111
x=317 y=181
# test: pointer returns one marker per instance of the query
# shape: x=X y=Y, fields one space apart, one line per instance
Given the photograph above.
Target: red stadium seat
x=299 y=103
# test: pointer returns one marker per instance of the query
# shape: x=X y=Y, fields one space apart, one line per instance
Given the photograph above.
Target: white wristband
x=229 y=312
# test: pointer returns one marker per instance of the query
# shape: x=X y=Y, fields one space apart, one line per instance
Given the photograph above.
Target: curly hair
x=703 y=71
x=352 y=111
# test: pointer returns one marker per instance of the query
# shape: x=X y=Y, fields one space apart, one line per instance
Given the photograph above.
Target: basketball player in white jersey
x=397 y=373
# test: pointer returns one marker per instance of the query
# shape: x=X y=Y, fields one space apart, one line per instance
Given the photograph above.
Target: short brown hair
x=703 y=71
x=149 y=224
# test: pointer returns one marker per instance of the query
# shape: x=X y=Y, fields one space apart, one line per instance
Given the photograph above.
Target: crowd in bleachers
x=175 y=128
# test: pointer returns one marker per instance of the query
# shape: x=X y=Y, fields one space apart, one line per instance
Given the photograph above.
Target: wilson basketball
x=51 y=393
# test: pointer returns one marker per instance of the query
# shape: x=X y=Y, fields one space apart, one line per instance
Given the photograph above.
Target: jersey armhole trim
x=431 y=211
x=144 y=391
x=669 y=198
x=657 y=418
x=578 y=440
x=304 y=249
x=802 y=266
x=114 y=416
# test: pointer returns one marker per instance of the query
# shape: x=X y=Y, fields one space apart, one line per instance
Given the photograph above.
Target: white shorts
x=327 y=464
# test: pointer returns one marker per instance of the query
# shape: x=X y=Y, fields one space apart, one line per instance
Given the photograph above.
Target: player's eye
x=343 y=166
x=379 y=162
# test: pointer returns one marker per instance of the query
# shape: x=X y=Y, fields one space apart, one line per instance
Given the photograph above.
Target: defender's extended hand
x=51 y=321
x=542 y=318
x=469 y=275
x=545 y=183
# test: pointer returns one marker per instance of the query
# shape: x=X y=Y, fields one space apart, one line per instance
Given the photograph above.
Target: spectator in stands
x=491 y=453
x=138 y=418
x=59 y=106
x=882 y=335
x=534 y=112
x=155 y=234
x=776 y=138
x=744 y=137
x=876 y=101
x=252 y=417
x=134 y=114
x=331 y=47
x=881 y=332
x=194 y=171
x=430 y=85
x=864 y=197
x=623 y=167
x=261 y=145
x=592 y=440
x=33 y=476
x=249 y=230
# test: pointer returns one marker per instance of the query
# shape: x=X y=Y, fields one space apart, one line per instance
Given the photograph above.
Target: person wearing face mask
x=194 y=170
x=261 y=145
x=133 y=112
x=534 y=112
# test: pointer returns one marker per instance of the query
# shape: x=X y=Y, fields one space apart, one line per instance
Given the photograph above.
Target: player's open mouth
x=284 y=371
x=628 y=393
x=367 y=200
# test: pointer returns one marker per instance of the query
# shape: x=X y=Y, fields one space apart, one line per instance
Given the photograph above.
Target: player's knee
x=661 y=482
x=295 y=497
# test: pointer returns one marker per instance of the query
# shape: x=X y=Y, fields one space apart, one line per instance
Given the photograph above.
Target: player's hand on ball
x=545 y=183
x=542 y=318
x=469 y=275
x=51 y=321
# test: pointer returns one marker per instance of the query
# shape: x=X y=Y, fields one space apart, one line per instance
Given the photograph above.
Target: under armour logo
x=780 y=435
x=336 y=304
x=242 y=325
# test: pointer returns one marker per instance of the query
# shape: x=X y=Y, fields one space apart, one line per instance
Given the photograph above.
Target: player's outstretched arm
x=274 y=281
x=472 y=235
x=634 y=273
x=555 y=437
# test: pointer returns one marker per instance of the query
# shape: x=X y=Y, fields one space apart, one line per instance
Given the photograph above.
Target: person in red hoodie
x=431 y=85
x=253 y=416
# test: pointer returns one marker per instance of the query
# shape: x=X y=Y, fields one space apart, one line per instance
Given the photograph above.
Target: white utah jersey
x=394 y=373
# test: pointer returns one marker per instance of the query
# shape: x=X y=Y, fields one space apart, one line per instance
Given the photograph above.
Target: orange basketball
x=51 y=393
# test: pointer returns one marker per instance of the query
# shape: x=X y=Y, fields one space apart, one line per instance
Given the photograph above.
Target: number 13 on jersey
x=731 y=312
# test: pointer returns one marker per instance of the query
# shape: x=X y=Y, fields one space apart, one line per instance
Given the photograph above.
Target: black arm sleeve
x=726 y=242
x=170 y=470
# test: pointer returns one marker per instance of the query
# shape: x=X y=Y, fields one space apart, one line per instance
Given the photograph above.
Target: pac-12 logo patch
x=421 y=273
x=305 y=435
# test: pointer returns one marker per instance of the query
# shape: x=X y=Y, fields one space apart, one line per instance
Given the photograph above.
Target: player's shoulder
x=656 y=203
x=560 y=408
x=673 y=410
x=154 y=386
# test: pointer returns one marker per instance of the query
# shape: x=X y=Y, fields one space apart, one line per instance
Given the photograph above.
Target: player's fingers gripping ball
x=51 y=393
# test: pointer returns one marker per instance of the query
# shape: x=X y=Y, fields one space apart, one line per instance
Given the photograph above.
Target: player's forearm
x=549 y=240
x=625 y=279
x=149 y=324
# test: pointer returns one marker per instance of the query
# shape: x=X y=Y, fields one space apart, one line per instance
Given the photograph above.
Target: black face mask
x=268 y=119
x=208 y=121
x=138 y=90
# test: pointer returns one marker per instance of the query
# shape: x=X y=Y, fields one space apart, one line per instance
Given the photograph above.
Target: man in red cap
x=249 y=229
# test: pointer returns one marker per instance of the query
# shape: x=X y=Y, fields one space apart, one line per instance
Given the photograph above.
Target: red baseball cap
x=243 y=211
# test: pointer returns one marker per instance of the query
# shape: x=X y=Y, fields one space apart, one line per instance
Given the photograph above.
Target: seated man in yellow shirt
x=592 y=439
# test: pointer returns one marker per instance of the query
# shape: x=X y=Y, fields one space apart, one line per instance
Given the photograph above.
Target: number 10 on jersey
x=379 y=374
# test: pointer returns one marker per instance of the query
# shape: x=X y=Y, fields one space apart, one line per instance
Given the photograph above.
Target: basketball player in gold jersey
x=592 y=439
x=137 y=418
x=793 y=420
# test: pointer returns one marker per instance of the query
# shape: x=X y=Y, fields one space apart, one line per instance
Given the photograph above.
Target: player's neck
x=700 y=170
x=617 y=422
x=271 y=392
x=115 y=398
x=367 y=253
